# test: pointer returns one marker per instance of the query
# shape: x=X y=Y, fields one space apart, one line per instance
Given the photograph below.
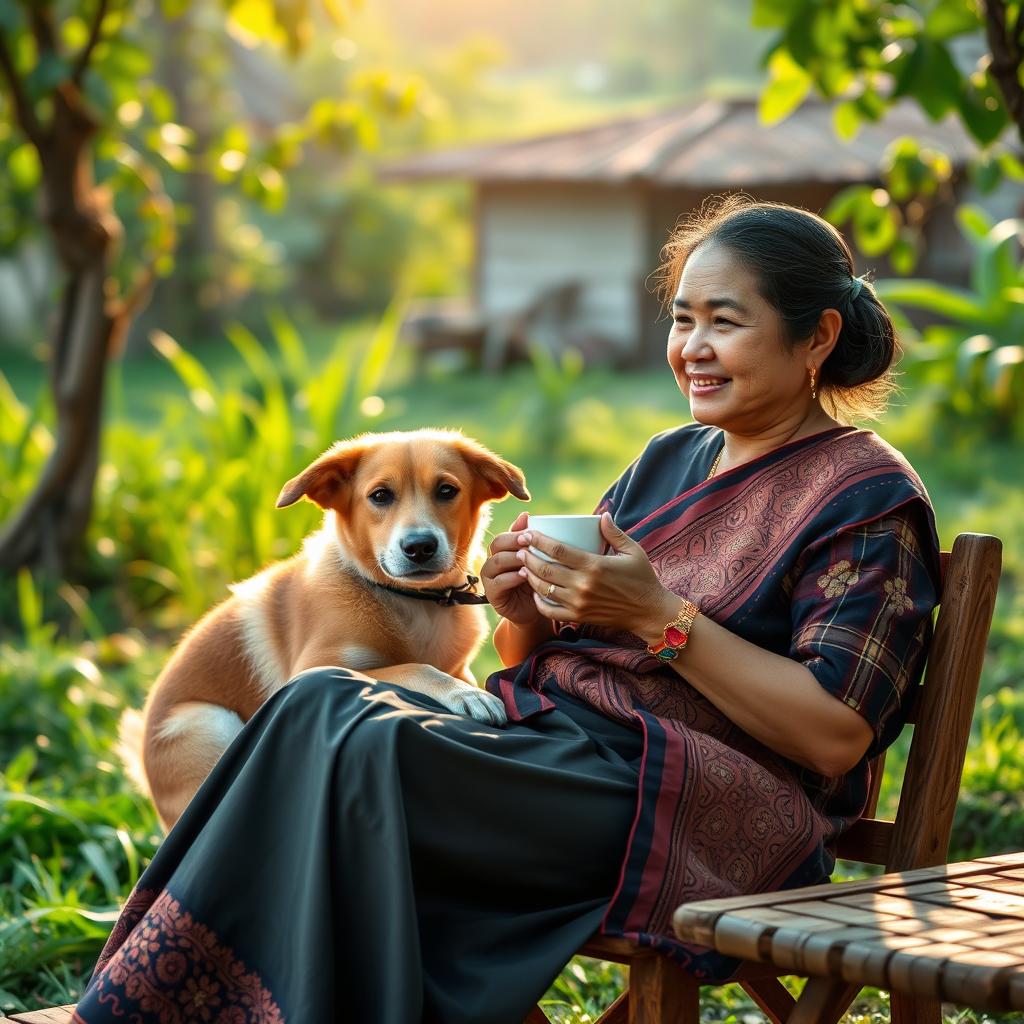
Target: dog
x=375 y=589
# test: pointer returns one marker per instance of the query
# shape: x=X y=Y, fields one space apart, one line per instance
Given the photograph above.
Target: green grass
x=196 y=448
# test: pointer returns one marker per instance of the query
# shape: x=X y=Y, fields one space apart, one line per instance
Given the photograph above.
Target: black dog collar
x=444 y=596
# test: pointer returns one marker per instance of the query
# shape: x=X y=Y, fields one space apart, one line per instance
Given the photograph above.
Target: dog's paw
x=477 y=704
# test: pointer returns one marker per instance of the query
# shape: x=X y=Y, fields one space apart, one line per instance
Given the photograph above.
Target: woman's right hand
x=511 y=596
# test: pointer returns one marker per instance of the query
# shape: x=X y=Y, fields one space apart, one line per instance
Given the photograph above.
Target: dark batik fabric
x=359 y=854
x=825 y=551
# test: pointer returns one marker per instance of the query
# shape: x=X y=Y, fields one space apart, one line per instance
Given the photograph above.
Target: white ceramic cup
x=579 y=531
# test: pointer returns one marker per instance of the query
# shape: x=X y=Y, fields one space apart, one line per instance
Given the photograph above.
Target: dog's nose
x=418 y=547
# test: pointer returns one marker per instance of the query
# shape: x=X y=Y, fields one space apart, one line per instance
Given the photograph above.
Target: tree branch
x=94 y=37
x=1007 y=53
x=41 y=19
x=22 y=106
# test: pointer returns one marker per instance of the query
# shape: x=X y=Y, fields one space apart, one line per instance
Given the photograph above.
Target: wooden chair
x=661 y=993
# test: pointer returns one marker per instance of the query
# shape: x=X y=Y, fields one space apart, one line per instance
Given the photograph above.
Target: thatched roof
x=712 y=144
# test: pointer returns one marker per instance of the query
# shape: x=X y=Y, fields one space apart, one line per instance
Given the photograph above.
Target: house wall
x=539 y=235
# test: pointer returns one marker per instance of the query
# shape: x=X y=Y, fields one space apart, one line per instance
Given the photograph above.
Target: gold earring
x=814 y=389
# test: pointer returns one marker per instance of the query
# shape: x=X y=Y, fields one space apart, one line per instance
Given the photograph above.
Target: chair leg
x=660 y=992
x=908 y=1010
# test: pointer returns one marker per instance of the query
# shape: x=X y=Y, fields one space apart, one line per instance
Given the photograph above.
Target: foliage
x=972 y=358
x=74 y=836
x=990 y=812
x=874 y=53
x=554 y=376
x=869 y=55
x=153 y=134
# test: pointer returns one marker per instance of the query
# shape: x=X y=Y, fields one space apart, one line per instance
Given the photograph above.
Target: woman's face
x=728 y=351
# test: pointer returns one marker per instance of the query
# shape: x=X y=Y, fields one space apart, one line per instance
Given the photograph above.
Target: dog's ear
x=323 y=480
x=497 y=476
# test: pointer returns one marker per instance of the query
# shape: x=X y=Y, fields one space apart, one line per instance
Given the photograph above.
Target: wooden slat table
x=52 y=1015
x=953 y=932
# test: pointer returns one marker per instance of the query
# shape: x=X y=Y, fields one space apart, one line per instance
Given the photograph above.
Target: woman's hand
x=618 y=589
x=509 y=593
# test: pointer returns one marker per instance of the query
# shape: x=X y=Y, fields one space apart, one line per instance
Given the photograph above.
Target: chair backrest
x=942 y=711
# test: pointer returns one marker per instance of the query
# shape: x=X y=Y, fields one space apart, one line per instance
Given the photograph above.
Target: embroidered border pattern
x=171 y=969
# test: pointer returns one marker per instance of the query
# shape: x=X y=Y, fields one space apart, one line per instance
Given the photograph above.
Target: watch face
x=668 y=654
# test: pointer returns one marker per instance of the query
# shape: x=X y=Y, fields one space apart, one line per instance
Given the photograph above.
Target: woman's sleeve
x=861 y=608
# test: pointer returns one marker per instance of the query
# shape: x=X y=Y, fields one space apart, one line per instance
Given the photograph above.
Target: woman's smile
x=702 y=385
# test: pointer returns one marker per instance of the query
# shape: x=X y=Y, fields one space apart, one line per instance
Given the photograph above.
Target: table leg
x=823 y=1001
x=908 y=1010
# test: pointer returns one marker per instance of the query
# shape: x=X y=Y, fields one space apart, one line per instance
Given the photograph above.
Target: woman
x=692 y=713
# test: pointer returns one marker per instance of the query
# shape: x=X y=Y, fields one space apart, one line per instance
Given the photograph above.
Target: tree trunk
x=51 y=524
x=1006 y=43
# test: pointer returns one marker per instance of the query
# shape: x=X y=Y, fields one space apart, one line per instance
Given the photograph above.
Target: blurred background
x=233 y=232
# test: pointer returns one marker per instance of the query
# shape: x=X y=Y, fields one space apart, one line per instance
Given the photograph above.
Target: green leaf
x=982 y=109
x=844 y=204
x=157 y=100
x=985 y=172
x=951 y=18
x=202 y=388
x=23 y=165
x=12 y=20
x=787 y=89
x=289 y=344
x=945 y=301
x=876 y=223
x=19 y=769
x=1002 y=365
x=30 y=604
x=846 y=119
x=970 y=351
x=931 y=77
x=903 y=255
x=1011 y=165
x=125 y=59
x=775 y=13
x=48 y=73
x=974 y=221
x=98 y=860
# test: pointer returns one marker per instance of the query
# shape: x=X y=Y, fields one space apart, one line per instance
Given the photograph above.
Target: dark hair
x=803 y=266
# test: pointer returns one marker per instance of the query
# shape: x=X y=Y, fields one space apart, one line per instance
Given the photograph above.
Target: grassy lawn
x=185 y=505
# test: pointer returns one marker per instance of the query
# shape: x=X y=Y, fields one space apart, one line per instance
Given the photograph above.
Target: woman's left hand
x=618 y=589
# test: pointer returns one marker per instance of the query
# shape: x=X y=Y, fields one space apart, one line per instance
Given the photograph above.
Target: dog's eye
x=381 y=496
x=446 y=492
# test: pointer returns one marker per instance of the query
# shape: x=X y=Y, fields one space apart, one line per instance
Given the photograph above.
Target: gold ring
x=551 y=589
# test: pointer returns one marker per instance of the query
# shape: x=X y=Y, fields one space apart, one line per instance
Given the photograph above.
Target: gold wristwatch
x=676 y=634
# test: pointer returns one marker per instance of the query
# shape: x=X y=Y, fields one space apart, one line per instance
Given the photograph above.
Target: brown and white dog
x=404 y=510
